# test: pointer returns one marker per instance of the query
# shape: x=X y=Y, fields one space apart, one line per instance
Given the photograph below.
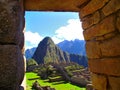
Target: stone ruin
x=101 y=24
x=37 y=86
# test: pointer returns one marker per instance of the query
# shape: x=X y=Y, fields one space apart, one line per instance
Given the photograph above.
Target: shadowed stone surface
x=118 y=21
x=11 y=44
x=11 y=66
x=114 y=83
x=10 y=27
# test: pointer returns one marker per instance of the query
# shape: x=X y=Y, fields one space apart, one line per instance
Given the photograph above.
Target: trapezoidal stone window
x=101 y=24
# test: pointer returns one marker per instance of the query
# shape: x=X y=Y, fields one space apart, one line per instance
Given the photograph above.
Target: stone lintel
x=53 y=5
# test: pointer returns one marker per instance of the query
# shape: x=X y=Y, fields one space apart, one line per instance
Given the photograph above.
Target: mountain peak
x=48 y=52
x=47 y=40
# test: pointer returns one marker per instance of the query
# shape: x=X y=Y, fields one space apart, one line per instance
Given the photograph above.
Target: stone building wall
x=11 y=44
x=101 y=24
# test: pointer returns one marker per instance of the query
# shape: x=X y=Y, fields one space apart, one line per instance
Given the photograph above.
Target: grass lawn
x=32 y=77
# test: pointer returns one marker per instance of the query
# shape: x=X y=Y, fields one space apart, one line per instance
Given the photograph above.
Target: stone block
x=114 y=82
x=11 y=66
x=10 y=27
x=111 y=47
x=90 y=20
x=93 y=49
x=104 y=27
x=99 y=81
x=108 y=66
x=91 y=7
x=118 y=21
x=111 y=7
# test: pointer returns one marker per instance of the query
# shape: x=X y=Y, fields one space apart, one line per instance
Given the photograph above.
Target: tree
x=31 y=62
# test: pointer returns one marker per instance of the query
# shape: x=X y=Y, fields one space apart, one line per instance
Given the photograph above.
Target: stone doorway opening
x=101 y=24
x=72 y=27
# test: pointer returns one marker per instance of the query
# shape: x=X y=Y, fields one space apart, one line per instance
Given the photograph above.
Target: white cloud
x=69 y=32
x=32 y=39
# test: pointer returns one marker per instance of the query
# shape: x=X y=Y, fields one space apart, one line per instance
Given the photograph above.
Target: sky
x=59 y=26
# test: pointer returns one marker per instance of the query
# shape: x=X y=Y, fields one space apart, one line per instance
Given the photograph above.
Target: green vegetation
x=61 y=85
x=31 y=62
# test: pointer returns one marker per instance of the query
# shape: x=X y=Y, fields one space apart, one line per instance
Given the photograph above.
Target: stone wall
x=11 y=44
x=101 y=24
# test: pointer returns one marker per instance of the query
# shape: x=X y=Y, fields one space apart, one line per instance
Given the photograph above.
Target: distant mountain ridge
x=73 y=47
x=48 y=52
x=29 y=53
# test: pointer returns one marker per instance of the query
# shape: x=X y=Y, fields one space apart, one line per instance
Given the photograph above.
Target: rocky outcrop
x=89 y=87
x=37 y=86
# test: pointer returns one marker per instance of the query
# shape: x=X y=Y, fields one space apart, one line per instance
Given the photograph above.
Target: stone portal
x=101 y=24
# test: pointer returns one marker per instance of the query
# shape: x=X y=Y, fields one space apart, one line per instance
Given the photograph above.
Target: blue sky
x=57 y=25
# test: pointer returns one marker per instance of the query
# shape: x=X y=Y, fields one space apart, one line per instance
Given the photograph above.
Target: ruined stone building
x=101 y=24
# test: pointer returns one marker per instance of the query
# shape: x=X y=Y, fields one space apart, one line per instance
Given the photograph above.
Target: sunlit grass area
x=32 y=77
